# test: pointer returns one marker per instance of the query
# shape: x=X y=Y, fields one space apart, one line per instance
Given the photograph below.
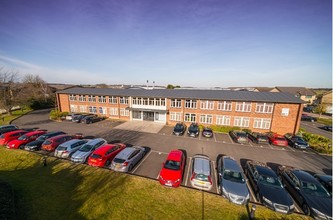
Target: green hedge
x=223 y=129
x=57 y=115
x=317 y=142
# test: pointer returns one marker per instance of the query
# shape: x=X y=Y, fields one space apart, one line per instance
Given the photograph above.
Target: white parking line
x=230 y=138
x=251 y=144
x=188 y=170
x=214 y=170
x=214 y=137
x=141 y=162
x=159 y=152
x=251 y=192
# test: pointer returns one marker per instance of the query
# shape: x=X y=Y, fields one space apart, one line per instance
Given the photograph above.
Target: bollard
x=44 y=162
x=253 y=210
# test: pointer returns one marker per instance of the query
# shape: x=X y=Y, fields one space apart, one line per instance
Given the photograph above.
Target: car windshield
x=314 y=189
x=47 y=142
x=96 y=156
x=60 y=148
x=280 y=138
x=193 y=128
x=172 y=165
x=298 y=139
x=270 y=181
x=233 y=176
x=41 y=138
x=179 y=127
x=118 y=160
x=86 y=148
x=2 y=136
x=239 y=134
x=207 y=130
x=22 y=138
x=201 y=177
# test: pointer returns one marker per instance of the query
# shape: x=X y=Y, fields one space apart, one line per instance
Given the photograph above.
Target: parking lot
x=161 y=143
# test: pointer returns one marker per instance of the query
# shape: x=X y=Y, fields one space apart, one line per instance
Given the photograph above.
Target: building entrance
x=148 y=116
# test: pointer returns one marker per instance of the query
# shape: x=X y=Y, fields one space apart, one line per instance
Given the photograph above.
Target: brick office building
x=258 y=111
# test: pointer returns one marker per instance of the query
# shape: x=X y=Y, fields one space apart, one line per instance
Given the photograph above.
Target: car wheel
x=21 y=147
x=107 y=163
x=306 y=209
x=130 y=167
x=258 y=197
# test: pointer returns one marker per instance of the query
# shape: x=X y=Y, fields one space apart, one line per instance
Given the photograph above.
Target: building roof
x=296 y=90
x=226 y=95
x=263 y=89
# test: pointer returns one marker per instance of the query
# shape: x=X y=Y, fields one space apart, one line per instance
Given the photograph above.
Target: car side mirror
x=220 y=174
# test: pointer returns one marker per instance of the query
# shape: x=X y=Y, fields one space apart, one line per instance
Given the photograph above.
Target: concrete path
x=142 y=126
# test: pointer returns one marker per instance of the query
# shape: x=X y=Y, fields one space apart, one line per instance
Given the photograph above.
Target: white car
x=81 y=155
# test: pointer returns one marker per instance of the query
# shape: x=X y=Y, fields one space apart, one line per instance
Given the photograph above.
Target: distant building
x=326 y=100
x=263 y=89
x=303 y=93
x=259 y=111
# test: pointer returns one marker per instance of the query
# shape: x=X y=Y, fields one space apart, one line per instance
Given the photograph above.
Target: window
x=73 y=108
x=204 y=104
x=82 y=98
x=285 y=112
x=162 y=102
x=112 y=100
x=113 y=111
x=83 y=108
x=136 y=101
x=72 y=97
x=123 y=100
x=190 y=103
x=242 y=122
x=144 y=101
x=224 y=106
x=176 y=103
x=189 y=117
x=102 y=99
x=124 y=112
x=243 y=106
x=151 y=101
x=102 y=110
x=92 y=109
x=136 y=115
x=206 y=119
x=264 y=107
x=91 y=98
x=175 y=116
x=262 y=123
x=223 y=120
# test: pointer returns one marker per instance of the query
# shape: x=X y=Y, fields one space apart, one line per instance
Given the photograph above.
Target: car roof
x=95 y=141
x=201 y=164
x=102 y=150
x=326 y=178
x=263 y=169
x=34 y=132
x=14 y=132
x=8 y=126
x=124 y=154
x=231 y=164
x=303 y=176
x=70 y=142
x=57 y=137
x=175 y=155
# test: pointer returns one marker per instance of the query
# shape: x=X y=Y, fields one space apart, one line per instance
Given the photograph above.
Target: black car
x=296 y=141
x=327 y=128
x=258 y=138
x=91 y=119
x=179 y=129
x=239 y=136
x=310 y=195
x=305 y=117
x=193 y=130
x=309 y=109
x=325 y=180
x=207 y=132
x=37 y=144
x=268 y=187
x=78 y=118
x=7 y=128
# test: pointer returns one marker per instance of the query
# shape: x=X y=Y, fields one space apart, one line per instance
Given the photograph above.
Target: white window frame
x=113 y=100
x=72 y=97
x=124 y=112
x=175 y=116
x=224 y=106
x=113 y=111
x=223 y=119
x=101 y=99
x=190 y=117
x=82 y=98
x=83 y=108
x=262 y=123
x=91 y=98
x=92 y=109
x=102 y=110
x=264 y=107
x=243 y=106
x=206 y=104
x=190 y=103
x=73 y=108
x=123 y=100
x=243 y=122
x=206 y=119
x=176 y=103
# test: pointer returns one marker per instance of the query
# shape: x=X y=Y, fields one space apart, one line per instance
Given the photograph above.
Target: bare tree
x=36 y=87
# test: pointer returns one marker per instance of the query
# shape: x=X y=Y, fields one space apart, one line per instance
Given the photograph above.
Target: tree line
x=23 y=90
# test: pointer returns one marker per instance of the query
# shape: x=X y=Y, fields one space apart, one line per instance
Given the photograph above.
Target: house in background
x=326 y=100
x=263 y=89
x=303 y=93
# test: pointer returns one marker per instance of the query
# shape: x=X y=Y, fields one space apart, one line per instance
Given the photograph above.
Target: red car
x=278 y=140
x=52 y=143
x=12 y=135
x=173 y=168
x=104 y=155
x=24 y=139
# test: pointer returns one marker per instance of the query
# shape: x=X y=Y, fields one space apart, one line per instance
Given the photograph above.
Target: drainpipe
x=297 y=118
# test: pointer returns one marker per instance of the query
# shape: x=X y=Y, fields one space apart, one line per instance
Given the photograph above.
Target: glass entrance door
x=148 y=116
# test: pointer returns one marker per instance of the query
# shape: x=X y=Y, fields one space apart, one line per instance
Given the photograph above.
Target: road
x=313 y=127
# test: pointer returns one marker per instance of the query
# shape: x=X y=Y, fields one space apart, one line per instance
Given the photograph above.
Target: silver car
x=231 y=181
x=127 y=159
x=81 y=155
x=201 y=177
x=66 y=149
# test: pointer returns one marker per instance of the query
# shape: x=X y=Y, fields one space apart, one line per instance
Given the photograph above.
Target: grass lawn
x=325 y=121
x=63 y=190
x=6 y=118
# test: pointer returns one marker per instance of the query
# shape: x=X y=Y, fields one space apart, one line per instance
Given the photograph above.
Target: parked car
x=91 y=119
x=277 y=140
x=309 y=109
x=67 y=148
x=172 y=171
x=82 y=154
x=7 y=128
x=231 y=181
x=327 y=128
x=268 y=187
x=70 y=116
x=296 y=141
x=37 y=144
x=105 y=154
x=239 y=136
x=127 y=159
x=24 y=139
x=325 y=180
x=258 y=138
x=179 y=129
x=201 y=177
x=207 y=132
x=306 y=117
x=52 y=143
x=12 y=135
x=193 y=130
x=310 y=195
x=78 y=118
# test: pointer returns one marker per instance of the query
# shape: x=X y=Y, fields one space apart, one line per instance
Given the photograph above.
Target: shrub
x=318 y=143
x=220 y=129
x=57 y=115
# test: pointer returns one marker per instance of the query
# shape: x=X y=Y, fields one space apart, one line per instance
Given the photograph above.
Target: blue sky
x=189 y=43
